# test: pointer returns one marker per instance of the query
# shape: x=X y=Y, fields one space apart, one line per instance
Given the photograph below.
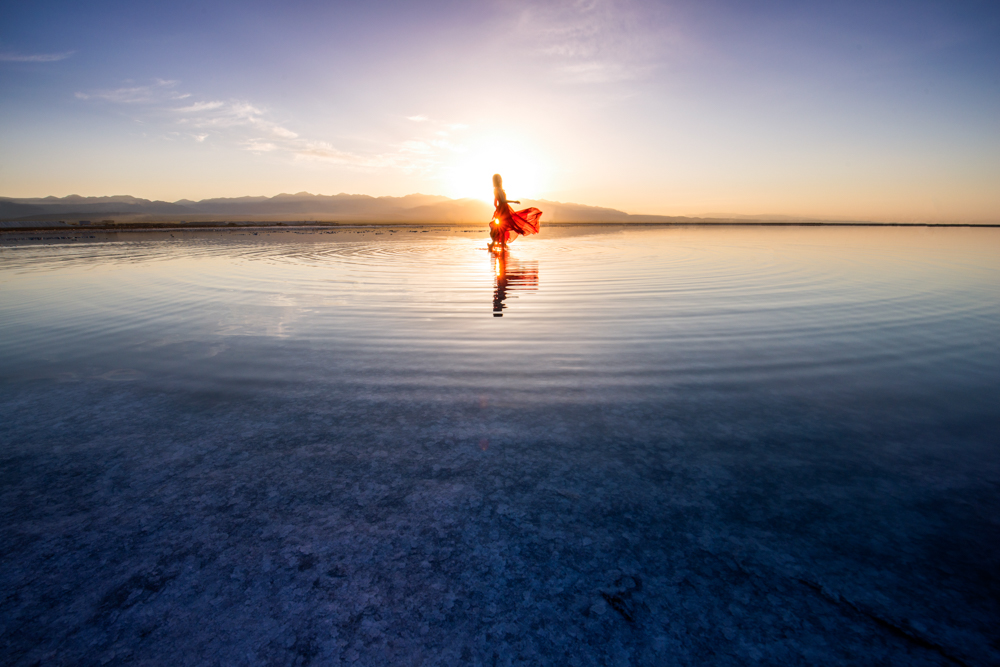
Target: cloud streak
x=161 y=90
x=200 y=106
x=35 y=57
x=597 y=41
x=245 y=125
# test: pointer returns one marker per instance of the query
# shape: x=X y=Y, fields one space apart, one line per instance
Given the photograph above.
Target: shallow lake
x=631 y=444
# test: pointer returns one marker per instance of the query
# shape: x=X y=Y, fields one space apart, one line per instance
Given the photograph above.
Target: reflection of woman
x=508 y=223
x=511 y=276
x=500 y=292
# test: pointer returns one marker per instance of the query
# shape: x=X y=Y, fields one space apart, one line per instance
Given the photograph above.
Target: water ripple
x=420 y=310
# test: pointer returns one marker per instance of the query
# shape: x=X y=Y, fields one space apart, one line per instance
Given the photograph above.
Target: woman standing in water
x=508 y=223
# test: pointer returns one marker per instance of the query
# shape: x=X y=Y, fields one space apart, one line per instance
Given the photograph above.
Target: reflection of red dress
x=510 y=223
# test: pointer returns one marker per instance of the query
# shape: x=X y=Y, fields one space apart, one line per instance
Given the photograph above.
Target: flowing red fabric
x=511 y=222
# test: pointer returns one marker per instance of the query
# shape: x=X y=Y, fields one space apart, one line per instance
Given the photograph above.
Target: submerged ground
x=676 y=446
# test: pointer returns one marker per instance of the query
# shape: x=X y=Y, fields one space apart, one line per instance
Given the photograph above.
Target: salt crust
x=143 y=527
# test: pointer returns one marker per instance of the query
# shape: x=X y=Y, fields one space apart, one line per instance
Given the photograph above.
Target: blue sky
x=869 y=110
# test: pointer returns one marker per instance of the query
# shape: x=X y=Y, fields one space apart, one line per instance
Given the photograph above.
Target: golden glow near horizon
x=523 y=170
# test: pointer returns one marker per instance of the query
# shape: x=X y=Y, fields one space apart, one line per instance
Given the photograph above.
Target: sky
x=886 y=111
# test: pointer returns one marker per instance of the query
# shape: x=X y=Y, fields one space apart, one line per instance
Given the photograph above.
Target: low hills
x=299 y=207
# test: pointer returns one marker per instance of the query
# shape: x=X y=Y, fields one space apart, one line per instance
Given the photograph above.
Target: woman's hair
x=497 y=181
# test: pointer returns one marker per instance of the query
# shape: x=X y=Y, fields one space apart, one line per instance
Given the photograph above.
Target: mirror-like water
x=759 y=443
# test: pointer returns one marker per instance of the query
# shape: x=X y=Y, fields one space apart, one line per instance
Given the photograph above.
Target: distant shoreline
x=306 y=209
x=10 y=228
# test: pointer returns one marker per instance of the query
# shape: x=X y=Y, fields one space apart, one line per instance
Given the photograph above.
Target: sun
x=470 y=174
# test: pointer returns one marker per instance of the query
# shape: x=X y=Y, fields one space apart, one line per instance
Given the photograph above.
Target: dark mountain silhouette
x=300 y=207
x=75 y=206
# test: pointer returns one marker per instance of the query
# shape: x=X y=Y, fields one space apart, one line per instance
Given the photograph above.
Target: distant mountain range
x=300 y=207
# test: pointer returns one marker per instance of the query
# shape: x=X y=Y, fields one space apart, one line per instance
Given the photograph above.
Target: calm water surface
x=586 y=316
x=648 y=445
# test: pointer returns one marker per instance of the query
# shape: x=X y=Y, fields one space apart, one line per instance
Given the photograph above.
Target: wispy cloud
x=161 y=90
x=260 y=146
x=252 y=128
x=283 y=132
x=35 y=57
x=597 y=41
x=423 y=153
x=234 y=115
x=200 y=106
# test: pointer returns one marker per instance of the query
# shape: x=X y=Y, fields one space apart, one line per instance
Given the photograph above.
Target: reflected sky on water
x=619 y=312
x=511 y=276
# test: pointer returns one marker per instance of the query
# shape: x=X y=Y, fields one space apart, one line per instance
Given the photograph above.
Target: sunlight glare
x=471 y=173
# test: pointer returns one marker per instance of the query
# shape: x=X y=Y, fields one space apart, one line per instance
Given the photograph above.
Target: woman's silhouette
x=508 y=223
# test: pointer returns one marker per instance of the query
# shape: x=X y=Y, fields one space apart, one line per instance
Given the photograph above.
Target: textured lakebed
x=677 y=446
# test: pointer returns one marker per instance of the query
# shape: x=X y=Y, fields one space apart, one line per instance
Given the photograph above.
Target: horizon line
x=707 y=216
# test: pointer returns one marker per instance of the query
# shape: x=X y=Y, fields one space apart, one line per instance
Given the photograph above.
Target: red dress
x=508 y=223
